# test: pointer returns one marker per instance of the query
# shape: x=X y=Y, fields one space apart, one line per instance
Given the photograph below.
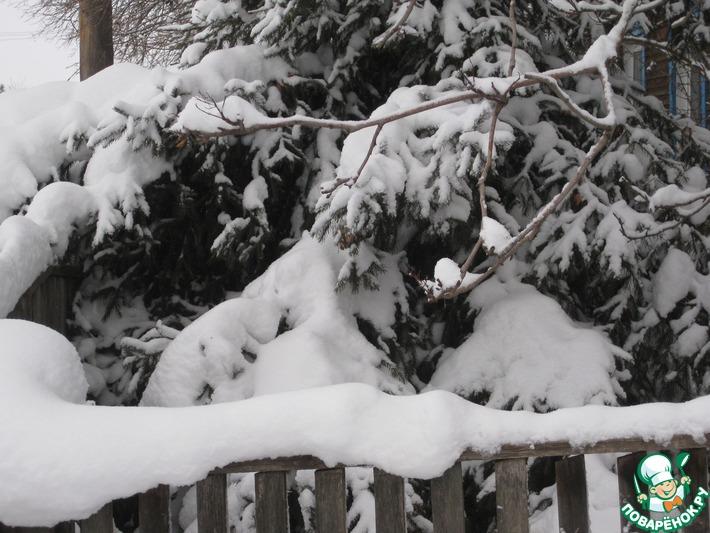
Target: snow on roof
x=65 y=460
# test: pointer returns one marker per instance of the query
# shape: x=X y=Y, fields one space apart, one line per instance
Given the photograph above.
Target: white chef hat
x=655 y=469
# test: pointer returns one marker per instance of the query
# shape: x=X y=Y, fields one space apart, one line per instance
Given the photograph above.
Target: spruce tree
x=201 y=286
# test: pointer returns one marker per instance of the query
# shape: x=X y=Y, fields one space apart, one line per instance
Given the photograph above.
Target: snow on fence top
x=61 y=459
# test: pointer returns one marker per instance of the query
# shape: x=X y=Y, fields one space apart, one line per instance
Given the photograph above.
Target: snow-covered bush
x=293 y=207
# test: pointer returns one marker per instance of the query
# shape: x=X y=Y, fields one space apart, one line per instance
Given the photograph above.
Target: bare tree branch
x=529 y=232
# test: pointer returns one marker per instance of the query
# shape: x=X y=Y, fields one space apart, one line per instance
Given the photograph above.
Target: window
x=635 y=64
x=689 y=93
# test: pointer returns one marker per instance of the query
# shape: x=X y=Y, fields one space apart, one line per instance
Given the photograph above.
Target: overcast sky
x=27 y=59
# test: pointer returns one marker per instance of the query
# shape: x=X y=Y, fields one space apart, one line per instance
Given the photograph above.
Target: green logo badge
x=665 y=497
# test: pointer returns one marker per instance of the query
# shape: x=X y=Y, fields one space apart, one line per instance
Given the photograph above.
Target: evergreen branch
x=613 y=7
x=349 y=182
x=239 y=128
x=635 y=236
x=382 y=39
x=496 y=92
x=594 y=61
x=532 y=229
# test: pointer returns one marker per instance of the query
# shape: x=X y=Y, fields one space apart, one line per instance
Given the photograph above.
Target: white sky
x=27 y=59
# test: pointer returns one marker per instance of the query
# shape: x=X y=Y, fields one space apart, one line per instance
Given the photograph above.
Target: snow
x=234 y=349
x=111 y=120
x=672 y=195
x=282 y=356
x=603 y=496
x=447 y=275
x=543 y=361
x=562 y=5
x=676 y=277
x=447 y=272
x=255 y=193
x=91 y=462
x=496 y=237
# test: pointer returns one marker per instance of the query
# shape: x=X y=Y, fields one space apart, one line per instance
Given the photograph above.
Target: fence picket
x=330 y=501
x=512 y=496
x=271 y=502
x=572 y=497
x=626 y=470
x=447 y=501
x=697 y=470
x=99 y=522
x=389 y=503
x=154 y=510
x=212 y=504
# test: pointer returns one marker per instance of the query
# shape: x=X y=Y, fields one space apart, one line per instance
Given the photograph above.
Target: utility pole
x=95 y=36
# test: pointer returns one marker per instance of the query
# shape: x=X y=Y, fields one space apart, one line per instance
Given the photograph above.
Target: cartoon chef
x=665 y=494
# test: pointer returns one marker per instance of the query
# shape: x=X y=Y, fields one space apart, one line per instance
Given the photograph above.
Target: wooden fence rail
x=448 y=512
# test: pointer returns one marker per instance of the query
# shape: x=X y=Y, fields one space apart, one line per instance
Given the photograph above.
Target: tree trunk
x=95 y=36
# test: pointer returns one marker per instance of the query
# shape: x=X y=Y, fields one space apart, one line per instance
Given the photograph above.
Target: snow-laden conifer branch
x=498 y=90
x=382 y=39
x=437 y=290
x=440 y=289
x=500 y=104
x=610 y=7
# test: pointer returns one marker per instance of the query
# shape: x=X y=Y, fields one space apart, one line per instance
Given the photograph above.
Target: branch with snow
x=467 y=282
x=499 y=90
x=392 y=31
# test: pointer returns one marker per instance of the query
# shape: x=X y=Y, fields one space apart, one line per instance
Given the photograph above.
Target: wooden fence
x=49 y=302
x=447 y=502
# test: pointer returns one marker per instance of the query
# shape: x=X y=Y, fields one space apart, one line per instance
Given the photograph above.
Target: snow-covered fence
x=65 y=459
x=447 y=499
x=48 y=300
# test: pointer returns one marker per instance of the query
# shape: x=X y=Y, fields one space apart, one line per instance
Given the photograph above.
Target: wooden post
x=512 y=495
x=212 y=504
x=49 y=300
x=626 y=470
x=95 y=36
x=331 y=512
x=572 y=497
x=447 y=501
x=154 y=510
x=271 y=502
x=65 y=527
x=697 y=470
x=389 y=503
x=100 y=522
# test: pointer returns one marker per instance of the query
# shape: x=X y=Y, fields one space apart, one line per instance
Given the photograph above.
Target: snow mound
x=526 y=353
x=233 y=352
x=495 y=237
x=39 y=359
x=675 y=279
